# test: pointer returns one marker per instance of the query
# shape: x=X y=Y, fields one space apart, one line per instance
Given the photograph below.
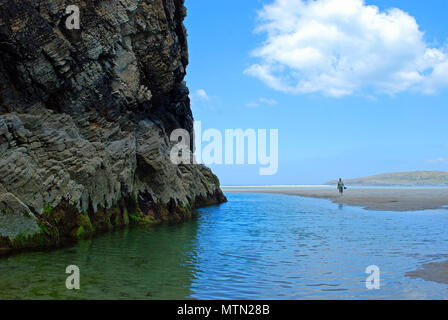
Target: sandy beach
x=387 y=199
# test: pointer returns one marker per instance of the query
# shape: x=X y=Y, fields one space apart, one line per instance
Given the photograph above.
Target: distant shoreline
x=331 y=186
x=410 y=178
x=414 y=198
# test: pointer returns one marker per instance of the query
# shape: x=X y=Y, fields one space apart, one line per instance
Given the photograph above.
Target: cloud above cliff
x=201 y=94
x=344 y=47
x=200 y=99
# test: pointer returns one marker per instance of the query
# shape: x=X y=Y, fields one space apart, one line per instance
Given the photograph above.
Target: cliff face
x=85 y=119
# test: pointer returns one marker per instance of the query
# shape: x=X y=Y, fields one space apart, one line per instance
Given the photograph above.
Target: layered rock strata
x=85 y=119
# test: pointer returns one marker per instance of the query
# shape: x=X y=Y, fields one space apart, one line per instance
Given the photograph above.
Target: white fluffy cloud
x=201 y=94
x=201 y=100
x=200 y=97
x=342 y=47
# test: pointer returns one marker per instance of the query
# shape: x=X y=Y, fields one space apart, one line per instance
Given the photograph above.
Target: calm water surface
x=256 y=246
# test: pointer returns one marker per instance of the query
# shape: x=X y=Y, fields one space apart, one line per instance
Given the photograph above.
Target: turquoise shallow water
x=256 y=246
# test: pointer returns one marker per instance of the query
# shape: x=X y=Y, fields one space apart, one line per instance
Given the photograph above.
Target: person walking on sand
x=341 y=187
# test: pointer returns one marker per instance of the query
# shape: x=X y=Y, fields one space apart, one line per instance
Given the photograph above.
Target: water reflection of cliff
x=139 y=263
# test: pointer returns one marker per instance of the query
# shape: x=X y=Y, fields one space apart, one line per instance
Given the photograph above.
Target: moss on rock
x=65 y=223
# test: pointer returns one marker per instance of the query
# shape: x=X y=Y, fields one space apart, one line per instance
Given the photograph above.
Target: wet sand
x=435 y=271
x=405 y=199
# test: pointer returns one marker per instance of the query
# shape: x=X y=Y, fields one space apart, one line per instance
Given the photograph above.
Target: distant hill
x=415 y=178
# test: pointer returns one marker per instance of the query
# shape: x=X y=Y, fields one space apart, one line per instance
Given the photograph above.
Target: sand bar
x=387 y=199
x=435 y=271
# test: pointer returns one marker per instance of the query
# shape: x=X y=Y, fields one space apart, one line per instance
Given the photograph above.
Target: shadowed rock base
x=65 y=224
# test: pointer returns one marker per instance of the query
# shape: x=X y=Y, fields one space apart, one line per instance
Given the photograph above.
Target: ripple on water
x=253 y=247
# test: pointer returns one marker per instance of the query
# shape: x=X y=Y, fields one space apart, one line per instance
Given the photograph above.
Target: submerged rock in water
x=85 y=119
x=434 y=271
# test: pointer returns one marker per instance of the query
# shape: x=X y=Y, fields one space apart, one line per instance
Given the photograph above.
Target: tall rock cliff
x=85 y=119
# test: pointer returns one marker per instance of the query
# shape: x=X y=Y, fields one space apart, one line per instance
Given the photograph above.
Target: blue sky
x=360 y=122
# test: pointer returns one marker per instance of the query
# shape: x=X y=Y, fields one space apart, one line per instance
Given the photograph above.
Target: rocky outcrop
x=85 y=119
